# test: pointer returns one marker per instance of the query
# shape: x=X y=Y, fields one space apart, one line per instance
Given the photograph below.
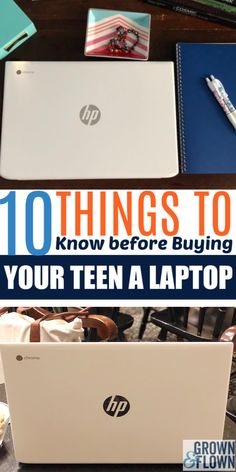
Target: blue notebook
x=207 y=138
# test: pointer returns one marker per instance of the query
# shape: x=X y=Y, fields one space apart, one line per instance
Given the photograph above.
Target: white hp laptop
x=89 y=120
x=114 y=402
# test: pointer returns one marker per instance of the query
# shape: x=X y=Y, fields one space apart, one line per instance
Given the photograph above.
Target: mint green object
x=15 y=27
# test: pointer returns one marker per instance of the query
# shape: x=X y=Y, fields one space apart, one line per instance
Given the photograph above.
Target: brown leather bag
x=106 y=328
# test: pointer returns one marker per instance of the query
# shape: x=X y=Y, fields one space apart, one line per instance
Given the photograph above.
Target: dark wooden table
x=61 y=28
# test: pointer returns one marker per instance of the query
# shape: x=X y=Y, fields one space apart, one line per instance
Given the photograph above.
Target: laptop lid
x=114 y=402
x=89 y=120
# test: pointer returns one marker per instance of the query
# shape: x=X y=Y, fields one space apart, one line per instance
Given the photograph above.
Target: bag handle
x=3 y=310
x=33 y=312
x=106 y=328
x=38 y=312
x=35 y=329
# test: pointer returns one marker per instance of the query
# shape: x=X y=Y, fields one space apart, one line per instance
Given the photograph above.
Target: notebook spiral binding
x=183 y=158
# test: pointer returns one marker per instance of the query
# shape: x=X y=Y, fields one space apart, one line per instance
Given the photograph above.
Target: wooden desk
x=61 y=28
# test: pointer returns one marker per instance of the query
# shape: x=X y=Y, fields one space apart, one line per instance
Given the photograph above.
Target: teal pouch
x=15 y=27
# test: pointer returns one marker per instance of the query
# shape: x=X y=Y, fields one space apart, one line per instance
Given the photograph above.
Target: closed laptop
x=114 y=402
x=89 y=120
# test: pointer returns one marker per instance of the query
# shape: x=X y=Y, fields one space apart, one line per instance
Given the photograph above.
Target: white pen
x=222 y=98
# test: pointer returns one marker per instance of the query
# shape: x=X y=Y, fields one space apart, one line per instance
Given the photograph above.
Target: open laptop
x=89 y=120
x=114 y=402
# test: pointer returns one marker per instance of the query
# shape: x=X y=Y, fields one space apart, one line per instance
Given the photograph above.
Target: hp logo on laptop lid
x=90 y=115
x=116 y=405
